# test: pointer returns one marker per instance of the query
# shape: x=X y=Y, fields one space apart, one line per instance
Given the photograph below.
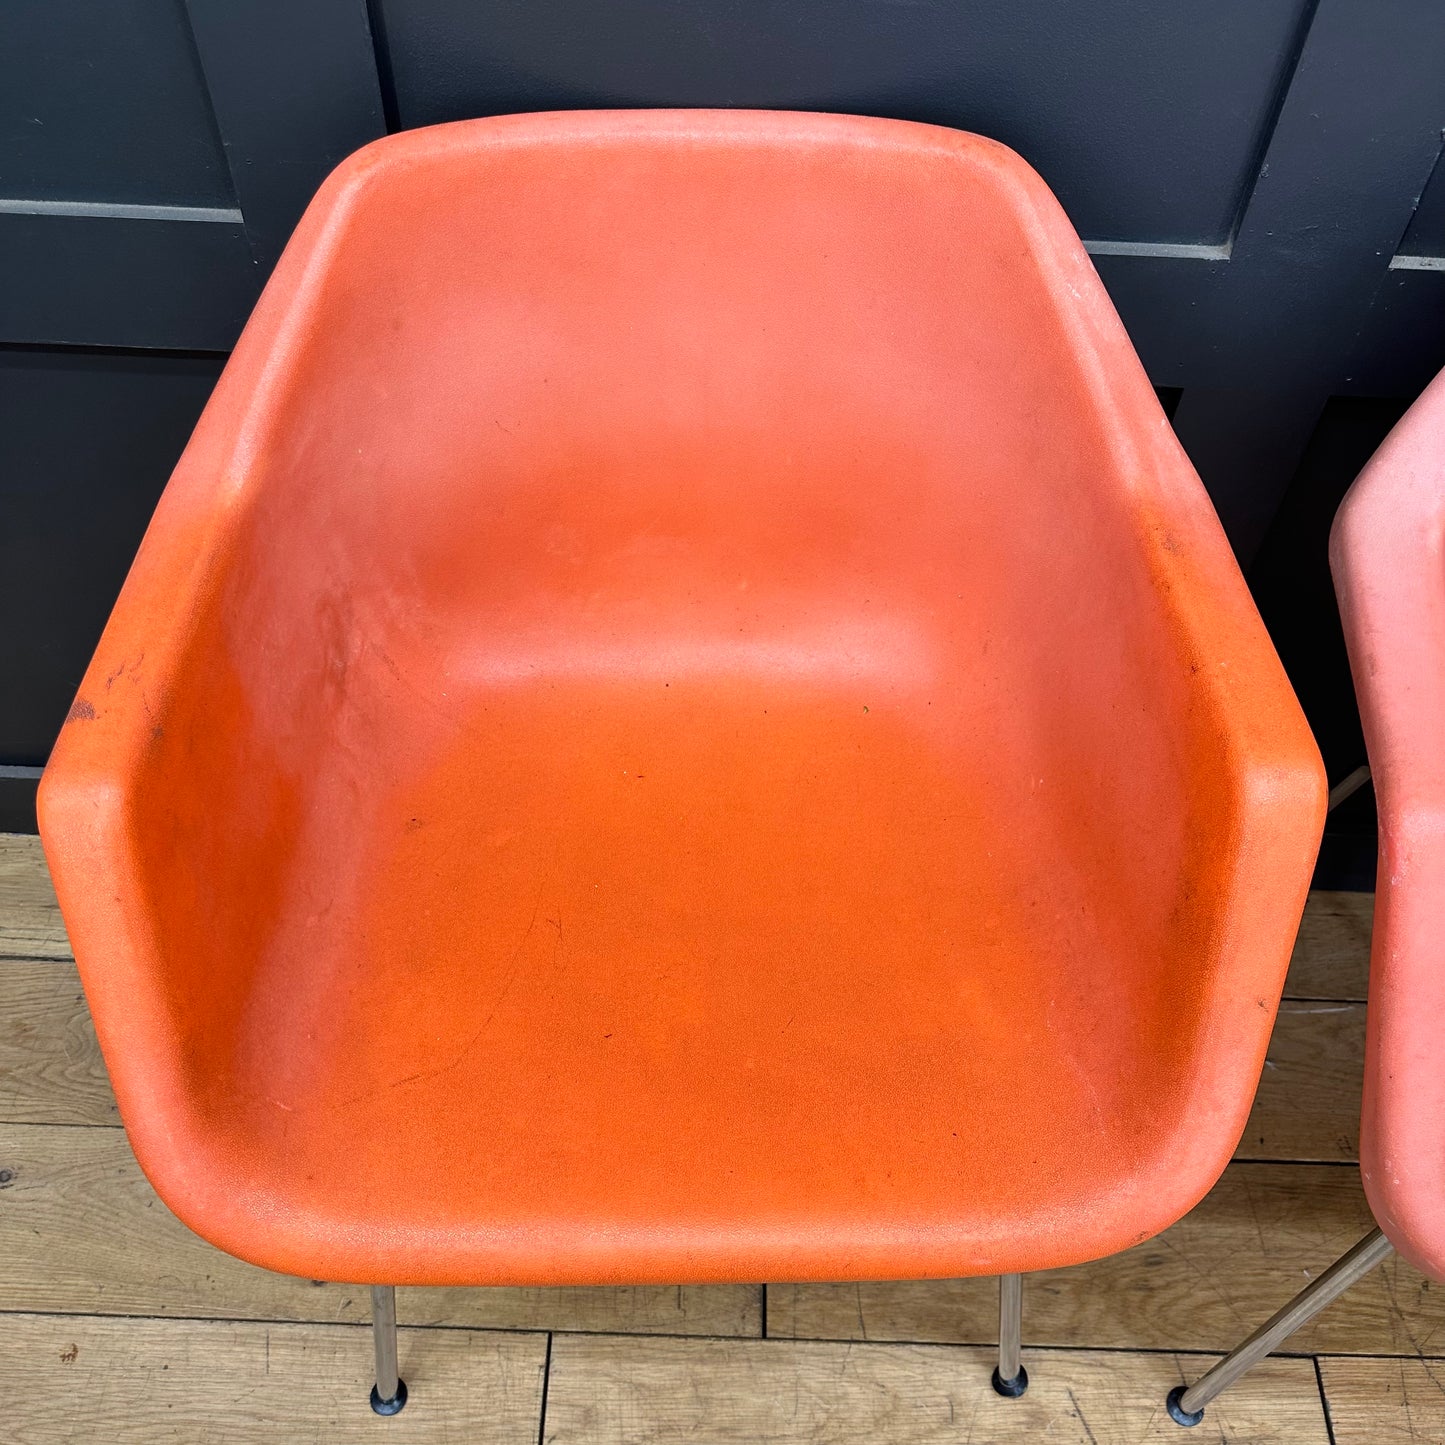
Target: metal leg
x=1010 y=1378
x=1186 y=1406
x=388 y=1395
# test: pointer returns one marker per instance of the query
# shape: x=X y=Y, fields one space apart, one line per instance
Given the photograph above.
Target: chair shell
x=683 y=717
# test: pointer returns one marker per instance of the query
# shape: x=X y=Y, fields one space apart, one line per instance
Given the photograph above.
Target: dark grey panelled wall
x=1258 y=180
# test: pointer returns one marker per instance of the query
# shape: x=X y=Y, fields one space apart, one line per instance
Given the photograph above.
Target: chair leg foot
x=1011 y=1389
x=1177 y=1412
x=391 y=1406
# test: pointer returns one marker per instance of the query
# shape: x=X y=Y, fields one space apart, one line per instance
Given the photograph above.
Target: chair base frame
x=1186 y=1405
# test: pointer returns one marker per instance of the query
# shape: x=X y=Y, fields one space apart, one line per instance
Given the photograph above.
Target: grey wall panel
x=104 y=100
x=1146 y=119
x=1426 y=236
x=87 y=441
x=1402 y=343
x=17 y=799
x=1353 y=145
x=108 y=235
x=1158 y=298
x=295 y=91
x=107 y=279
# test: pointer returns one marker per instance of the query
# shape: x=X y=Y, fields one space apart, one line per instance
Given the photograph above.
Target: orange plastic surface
x=1388 y=556
x=683 y=717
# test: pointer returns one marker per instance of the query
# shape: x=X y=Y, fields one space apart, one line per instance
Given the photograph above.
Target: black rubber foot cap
x=391 y=1406
x=1011 y=1389
x=1177 y=1412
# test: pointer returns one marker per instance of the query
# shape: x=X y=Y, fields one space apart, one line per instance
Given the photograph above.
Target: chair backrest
x=1387 y=552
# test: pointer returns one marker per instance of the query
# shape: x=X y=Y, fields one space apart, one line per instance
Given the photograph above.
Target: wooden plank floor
x=116 y=1323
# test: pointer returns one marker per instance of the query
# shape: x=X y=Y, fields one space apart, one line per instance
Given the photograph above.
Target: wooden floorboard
x=30 y=924
x=162 y=1382
x=609 y=1391
x=1307 y=1108
x=1386 y=1402
x=51 y=1071
x=1332 y=950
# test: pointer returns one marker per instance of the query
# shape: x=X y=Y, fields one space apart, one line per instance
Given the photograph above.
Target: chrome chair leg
x=1009 y=1376
x=388 y=1395
x=1186 y=1405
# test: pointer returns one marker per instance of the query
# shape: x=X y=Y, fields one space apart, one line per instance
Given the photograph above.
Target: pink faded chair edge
x=1387 y=555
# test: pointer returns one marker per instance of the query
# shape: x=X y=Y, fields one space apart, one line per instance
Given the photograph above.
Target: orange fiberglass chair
x=683 y=717
x=1387 y=552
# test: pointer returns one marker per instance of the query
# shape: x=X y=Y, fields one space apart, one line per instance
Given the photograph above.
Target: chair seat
x=747 y=973
x=683 y=717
